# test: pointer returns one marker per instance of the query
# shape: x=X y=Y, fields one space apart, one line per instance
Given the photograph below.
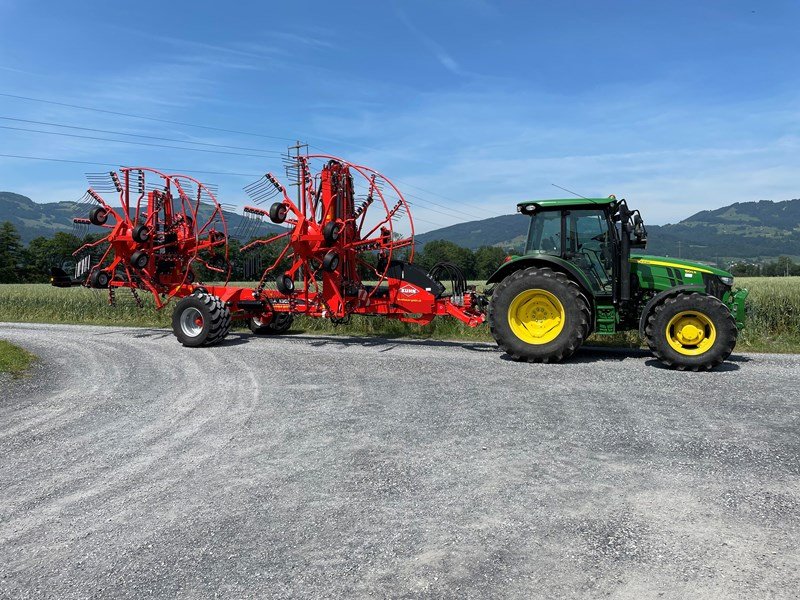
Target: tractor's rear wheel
x=539 y=315
x=691 y=332
x=277 y=324
x=200 y=319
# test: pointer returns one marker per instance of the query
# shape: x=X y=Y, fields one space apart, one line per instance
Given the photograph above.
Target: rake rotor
x=165 y=227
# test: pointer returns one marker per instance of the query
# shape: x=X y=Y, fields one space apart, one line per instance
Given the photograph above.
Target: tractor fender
x=544 y=260
x=674 y=291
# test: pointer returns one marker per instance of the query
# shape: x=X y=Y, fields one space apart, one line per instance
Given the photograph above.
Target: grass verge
x=773 y=316
x=14 y=360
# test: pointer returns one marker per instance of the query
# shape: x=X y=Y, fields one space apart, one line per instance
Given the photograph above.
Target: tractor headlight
x=727 y=280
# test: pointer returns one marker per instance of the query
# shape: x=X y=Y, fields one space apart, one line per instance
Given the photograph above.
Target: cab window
x=544 y=234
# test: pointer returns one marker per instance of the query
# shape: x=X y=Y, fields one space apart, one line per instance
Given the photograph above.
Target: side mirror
x=638 y=226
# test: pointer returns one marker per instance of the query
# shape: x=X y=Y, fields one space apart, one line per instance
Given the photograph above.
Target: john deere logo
x=407 y=290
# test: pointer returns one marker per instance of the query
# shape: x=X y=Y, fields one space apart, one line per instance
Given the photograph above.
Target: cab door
x=590 y=245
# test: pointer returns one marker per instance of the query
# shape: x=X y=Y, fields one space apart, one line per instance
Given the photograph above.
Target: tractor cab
x=594 y=235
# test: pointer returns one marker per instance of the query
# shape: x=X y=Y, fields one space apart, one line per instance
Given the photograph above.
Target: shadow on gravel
x=591 y=354
x=235 y=339
x=723 y=368
x=367 y=342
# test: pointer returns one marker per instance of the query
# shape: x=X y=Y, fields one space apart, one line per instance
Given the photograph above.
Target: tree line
x=32 y=263
x=784 y=266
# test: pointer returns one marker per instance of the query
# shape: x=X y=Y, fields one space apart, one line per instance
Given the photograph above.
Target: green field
x=13 y=359
x=773 y=308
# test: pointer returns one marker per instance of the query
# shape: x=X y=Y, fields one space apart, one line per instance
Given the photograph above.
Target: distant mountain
x=33 y=219
x=744 y=230
x=505 y=231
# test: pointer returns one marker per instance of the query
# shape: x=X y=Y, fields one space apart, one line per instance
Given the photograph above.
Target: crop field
x=773 y=315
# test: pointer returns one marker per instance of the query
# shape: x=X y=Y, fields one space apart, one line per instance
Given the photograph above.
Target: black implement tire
x=698 y=350
x=99 y=279
x=537 y=292
x=98 y=216
x=278 y=212
x=277 y=324
x=140 y=234
x=330 y=262
x=285 y=284
x=331 y=232
x=200 y=320
x=139 y=259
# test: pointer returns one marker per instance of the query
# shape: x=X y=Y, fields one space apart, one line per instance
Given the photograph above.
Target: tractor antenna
x=570 y=191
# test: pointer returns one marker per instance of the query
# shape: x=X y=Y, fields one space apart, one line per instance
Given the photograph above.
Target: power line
x=452 y=210
x=187 y=171
x=210 y=128
x=122 y=114
x=406 y=184
x=150 y=137
x=89 y=137
x=102 y=164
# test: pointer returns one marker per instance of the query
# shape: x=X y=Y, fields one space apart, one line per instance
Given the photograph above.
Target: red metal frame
x=178 y=234
x=326 y=197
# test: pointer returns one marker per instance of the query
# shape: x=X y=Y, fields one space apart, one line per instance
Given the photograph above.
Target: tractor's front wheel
x=691 y=332
x=539 y=315
x=279 y=323
x=201 y=319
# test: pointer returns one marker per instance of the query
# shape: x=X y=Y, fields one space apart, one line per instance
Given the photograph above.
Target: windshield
x=544 y=234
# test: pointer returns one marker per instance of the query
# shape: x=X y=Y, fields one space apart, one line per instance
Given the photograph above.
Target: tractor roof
x=559 y=202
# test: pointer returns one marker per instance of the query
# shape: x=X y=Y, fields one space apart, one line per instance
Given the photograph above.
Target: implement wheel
x=200 y=319
x=691 y=332
x=277 y=324
x=98 y=216
x=538 y=315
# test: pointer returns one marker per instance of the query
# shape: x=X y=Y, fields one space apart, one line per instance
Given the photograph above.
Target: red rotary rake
x=347 y=249
x=166 y=224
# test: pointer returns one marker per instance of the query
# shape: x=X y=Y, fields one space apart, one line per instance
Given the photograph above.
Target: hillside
x=744 y=230
x=33 y=219
x=505 y=231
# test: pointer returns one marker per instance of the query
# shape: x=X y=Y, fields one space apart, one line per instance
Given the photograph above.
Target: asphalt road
x=338 y=467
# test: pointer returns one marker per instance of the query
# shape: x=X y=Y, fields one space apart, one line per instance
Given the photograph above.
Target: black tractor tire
x=139 y=259
x=99 y=279
x=330 y=262
x=277 y=324
x=200 y=320
x=576 y=315
x=285 y=284
x=98 y=216
x=141 y=234
x=331 y=232
x=658 y=331
x=278 y=212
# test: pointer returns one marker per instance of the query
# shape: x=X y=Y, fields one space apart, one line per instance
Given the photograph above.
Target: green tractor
x=578 y=276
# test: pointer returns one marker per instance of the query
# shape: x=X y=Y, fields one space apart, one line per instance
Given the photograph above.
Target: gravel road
x=312 y=467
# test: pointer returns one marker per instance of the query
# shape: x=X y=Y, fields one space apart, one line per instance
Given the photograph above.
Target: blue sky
x=470 y=106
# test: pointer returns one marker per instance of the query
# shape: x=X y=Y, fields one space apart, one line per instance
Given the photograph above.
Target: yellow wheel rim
x=691 y=333
x=536 y=316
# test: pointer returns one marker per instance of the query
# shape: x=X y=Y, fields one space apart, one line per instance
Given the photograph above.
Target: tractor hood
x=679 y=263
